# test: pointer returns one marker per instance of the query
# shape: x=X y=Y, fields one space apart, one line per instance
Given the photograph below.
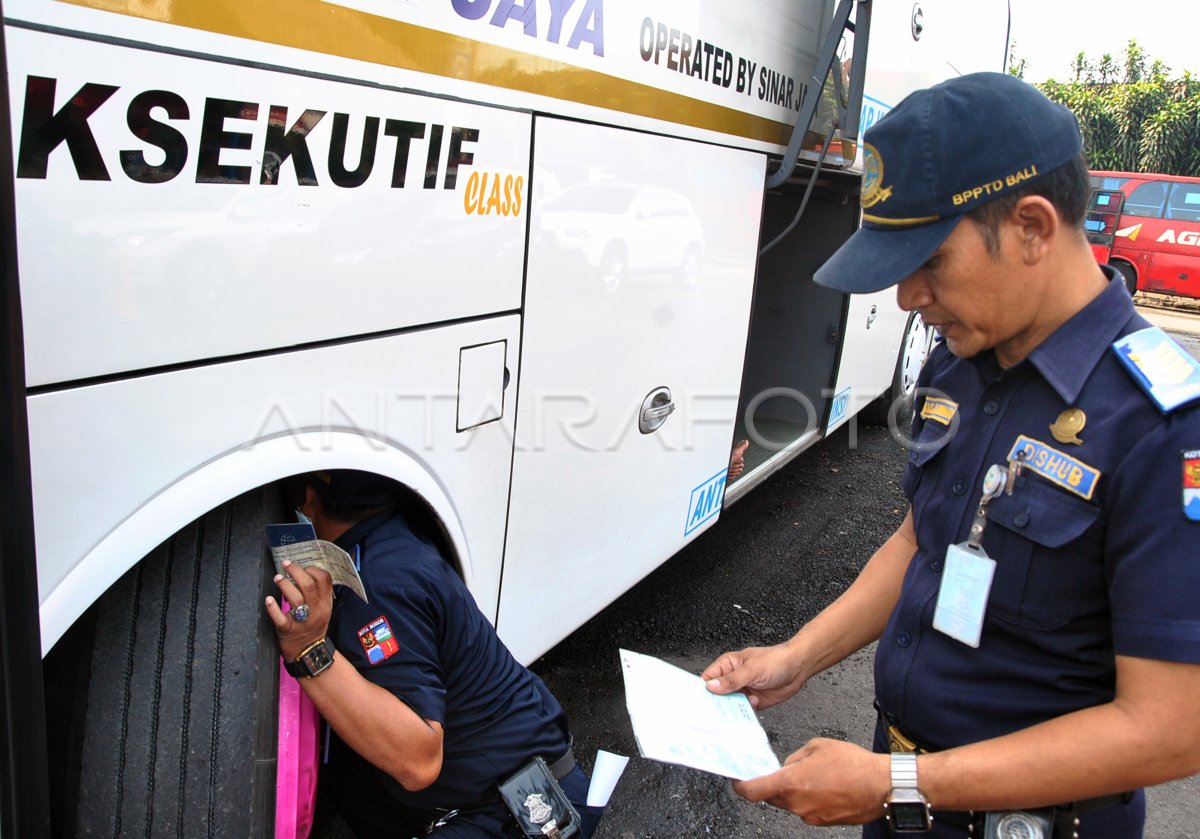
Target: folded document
x=676 y=719
x=298 y=543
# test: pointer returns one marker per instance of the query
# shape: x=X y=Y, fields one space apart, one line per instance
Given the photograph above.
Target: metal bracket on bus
x=861 y=28
x=656 y=407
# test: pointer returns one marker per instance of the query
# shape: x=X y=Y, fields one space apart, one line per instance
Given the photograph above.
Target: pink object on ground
x=296 y=769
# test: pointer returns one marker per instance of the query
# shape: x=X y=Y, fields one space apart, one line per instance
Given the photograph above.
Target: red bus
x=1156 y=245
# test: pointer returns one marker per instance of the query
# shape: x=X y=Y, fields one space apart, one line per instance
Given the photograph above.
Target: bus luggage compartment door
x=640 y=274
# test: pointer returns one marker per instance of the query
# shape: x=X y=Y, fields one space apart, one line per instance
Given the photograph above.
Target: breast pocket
x=923 y=458
x=1047 y=547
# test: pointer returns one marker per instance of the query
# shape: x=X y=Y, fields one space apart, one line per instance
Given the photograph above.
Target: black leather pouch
x=538 y=804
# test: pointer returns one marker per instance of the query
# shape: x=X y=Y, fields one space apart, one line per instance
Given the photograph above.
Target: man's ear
x=1037 y=224
x=311 y=503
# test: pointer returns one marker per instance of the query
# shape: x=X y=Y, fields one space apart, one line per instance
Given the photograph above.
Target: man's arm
x=770 y=675
x=372 y=721
x=1148 y=734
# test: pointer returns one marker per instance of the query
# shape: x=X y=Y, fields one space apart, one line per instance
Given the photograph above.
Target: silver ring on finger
x=300 y=613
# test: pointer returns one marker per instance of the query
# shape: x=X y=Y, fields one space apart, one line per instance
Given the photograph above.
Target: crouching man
x=429 y=711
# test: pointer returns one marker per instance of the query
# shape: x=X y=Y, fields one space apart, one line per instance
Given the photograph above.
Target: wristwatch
x=906 y=809
x=313 y=661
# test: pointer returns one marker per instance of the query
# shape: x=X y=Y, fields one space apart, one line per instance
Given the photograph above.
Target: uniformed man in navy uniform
x=428 y=709
x=1038 y=610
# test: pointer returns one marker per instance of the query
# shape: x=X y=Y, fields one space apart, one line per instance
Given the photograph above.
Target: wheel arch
x=213 y=483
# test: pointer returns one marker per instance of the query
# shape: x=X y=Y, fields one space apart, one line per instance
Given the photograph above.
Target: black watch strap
x=312 y=661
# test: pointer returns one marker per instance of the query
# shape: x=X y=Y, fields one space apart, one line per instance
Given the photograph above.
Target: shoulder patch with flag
x=1191 y=484
x=377 y=640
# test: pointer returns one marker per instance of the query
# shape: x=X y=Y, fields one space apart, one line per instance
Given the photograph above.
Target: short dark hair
x=1067 y=188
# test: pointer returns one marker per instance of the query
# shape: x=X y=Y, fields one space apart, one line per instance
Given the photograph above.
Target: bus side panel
x=1160 y=233
x=154 y=452
x=640 y=274
x=201 y=209
x=703 y=69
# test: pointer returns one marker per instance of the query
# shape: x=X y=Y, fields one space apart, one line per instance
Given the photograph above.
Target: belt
x=1064 y=816
x=1062 y=821
x=563 y=766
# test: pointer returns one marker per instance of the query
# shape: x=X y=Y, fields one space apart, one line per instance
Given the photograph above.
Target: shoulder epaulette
x=1160 y=366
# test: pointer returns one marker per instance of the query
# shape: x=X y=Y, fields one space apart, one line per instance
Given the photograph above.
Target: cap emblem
x=873 y=190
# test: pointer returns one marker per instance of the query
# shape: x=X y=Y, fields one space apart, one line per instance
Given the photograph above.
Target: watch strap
x=301 y=668
x=904 y=770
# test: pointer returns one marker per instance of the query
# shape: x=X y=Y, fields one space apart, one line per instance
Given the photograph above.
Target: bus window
x=1185 y=202
x=1147 y=200
x=1108 y=182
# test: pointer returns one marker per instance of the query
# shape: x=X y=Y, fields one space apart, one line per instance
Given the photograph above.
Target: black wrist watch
x=906 y=808
x=313 y=661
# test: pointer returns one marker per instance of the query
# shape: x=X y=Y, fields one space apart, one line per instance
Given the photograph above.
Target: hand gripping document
x=676 y=719
x=298 y=543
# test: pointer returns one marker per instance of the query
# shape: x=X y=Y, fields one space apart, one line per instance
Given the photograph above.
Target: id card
x=962 y=598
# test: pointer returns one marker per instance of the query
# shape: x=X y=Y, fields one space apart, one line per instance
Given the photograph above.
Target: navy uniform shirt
x=422 y=637
x=1095 y=555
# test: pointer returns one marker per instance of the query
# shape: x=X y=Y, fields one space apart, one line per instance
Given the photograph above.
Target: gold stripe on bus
x=348 y=33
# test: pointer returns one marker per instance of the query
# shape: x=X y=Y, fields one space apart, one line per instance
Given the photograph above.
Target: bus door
x=1100 y=224
x=637 y=302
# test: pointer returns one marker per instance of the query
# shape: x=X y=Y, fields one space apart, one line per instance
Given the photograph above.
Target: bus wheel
x=913 y=351
x=175 y=725
x=1130 y=276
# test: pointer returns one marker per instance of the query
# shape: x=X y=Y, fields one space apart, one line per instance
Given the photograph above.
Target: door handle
x=656 y=407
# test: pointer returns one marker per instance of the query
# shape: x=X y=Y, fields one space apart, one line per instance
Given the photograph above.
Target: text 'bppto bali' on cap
x=941 y=152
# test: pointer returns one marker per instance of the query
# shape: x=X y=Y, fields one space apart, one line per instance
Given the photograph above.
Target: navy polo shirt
x=1095 y=556
x=422 y=637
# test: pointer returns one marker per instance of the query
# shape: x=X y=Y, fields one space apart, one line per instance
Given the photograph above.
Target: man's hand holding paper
x=677 y=720
x=298 y=543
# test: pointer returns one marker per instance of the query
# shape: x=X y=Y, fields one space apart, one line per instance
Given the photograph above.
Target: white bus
x=541 y=262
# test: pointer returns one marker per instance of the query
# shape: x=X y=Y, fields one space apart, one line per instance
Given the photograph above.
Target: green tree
x=1016 y=66
x=1146 y=123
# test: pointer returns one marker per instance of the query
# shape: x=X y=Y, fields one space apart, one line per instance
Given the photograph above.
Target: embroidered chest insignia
x=377 y=640
x=539 y=810
x=1191 y=485
x=939 y=409
x=1070 y=473
x=1068 y=425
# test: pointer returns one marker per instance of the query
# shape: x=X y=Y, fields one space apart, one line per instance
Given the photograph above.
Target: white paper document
x=606 y=771
x=677 y=720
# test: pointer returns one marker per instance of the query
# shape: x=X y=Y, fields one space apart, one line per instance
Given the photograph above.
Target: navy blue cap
x=351 y=486
x=943 y=151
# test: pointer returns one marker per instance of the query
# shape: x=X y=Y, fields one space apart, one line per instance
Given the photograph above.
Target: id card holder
x=538 y=804
x=962 y=598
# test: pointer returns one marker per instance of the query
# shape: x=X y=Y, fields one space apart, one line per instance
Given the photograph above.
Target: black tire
x=902 y=391
x=1130 y=276
x=179 y=667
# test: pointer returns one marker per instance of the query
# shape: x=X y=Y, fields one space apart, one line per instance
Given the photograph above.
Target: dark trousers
x=355 y=787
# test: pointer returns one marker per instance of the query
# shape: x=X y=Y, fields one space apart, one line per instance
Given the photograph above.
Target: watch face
x=317 y=658
x=909 y=815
